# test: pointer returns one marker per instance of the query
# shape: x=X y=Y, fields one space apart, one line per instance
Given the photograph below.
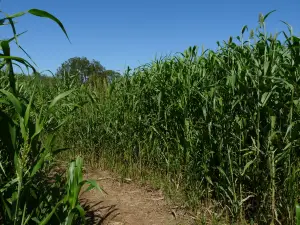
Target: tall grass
x=28 y=130
x=221 y=126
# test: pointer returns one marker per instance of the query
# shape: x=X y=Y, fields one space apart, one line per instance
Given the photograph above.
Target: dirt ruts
x=127 y=203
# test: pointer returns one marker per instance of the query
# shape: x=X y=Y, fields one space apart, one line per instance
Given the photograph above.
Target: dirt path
x=127 y=203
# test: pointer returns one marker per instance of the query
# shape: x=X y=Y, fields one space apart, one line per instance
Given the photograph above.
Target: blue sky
x=122 y=33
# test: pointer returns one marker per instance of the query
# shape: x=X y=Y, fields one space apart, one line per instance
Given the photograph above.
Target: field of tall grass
x=31 y=190
x=221 y=128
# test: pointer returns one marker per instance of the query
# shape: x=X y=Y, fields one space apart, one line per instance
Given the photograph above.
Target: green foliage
x=222 y=126
x=31 y=191
x=81 y=67
x=297 y=214
x=76 y=71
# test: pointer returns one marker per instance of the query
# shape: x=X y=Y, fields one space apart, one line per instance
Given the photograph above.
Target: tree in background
x=81 y=67
x=83 y=70
x=110 y=75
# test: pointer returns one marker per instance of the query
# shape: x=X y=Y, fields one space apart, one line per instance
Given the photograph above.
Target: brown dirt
x=127 y=203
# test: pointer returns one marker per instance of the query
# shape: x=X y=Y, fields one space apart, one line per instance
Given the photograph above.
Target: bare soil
x=128 y=203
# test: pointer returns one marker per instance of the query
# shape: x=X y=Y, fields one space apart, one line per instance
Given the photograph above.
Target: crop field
x=217 y=130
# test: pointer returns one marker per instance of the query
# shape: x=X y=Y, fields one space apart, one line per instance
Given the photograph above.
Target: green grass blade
x=297 y=214
x=268 y=14
x=48 y=217
x=45 y=14
x=14 y=101
x=27 y=112
x=93 y=185
x=59 y=97
x=20 y=60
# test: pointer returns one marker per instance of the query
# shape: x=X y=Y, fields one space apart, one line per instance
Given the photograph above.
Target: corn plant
x=28 y=195
x=221 y=126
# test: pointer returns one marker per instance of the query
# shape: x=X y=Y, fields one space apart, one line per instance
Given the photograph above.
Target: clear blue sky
x=122 y=33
